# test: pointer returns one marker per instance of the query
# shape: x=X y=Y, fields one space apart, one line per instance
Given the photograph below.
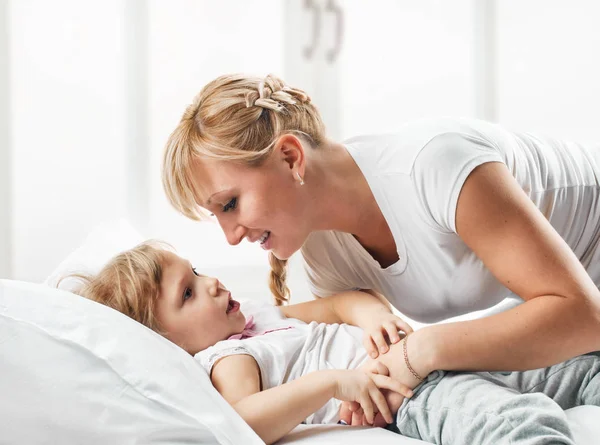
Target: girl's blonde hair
x=236 y=118
x=130 y=283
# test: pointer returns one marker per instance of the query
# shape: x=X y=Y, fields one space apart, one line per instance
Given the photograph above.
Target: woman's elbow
x=587 y=310
x=595 y=311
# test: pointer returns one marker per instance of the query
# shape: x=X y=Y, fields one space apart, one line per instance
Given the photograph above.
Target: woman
x=442 y=218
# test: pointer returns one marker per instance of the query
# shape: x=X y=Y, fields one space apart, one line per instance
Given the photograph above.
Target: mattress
x=584 y=421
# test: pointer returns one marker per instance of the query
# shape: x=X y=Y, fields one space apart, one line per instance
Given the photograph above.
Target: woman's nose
x=234 y=233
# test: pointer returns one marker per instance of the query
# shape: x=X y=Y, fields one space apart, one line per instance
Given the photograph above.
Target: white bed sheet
x=584 y=421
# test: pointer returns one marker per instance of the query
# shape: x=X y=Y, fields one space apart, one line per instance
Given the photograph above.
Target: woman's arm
x=352 y=307
x=561 y=316
x=365 y=309
x=276 y=411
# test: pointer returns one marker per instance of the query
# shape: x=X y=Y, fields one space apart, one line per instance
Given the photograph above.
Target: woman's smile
x=265 y=240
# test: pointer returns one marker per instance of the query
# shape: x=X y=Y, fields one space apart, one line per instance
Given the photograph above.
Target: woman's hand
x=351 y=413
x=381 y=328
x=365 y=390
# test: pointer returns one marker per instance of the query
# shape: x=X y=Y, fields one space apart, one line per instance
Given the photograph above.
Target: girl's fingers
x=367 y=406
x=345 y=413
x=380 y=422
x=386 y=382
x=370 y=346
x=405 y=391
x=365 y=422
x=357 y=417
x=378 y=398
x=354 y=406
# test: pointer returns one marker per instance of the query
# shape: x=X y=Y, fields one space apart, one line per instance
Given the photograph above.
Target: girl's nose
x=213 y=287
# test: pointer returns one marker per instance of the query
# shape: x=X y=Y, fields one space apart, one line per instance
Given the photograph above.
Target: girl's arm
x=561 y=314
x=270 y=415
x=276 y=411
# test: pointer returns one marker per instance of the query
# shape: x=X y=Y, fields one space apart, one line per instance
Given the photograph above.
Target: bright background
x=91 y=89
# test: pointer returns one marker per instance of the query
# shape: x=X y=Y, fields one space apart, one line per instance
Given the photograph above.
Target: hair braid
x=277 y=279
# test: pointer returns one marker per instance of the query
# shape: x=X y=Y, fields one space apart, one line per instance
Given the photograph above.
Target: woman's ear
x=290 y=150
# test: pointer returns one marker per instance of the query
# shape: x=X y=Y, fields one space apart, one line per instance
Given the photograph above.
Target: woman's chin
x=279 y=256
x=283 y=254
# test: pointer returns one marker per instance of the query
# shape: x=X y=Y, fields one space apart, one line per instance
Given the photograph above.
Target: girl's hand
x=356 y=416
x=351 y=412
x=376 y=367
x=378 y=328
x=365 y=390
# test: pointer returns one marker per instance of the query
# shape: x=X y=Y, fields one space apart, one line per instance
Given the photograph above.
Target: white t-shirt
x=292 y=349
x=416 y=176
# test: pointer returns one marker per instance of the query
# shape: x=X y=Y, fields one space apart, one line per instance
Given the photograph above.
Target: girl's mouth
x=232 y=306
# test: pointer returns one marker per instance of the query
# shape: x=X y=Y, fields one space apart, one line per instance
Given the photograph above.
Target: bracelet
x=410 y=368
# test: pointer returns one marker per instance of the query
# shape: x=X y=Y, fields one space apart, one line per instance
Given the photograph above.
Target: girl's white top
x=416 y=176
x=286 y=354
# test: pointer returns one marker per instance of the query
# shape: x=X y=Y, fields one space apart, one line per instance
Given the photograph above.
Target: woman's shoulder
x=396 y=152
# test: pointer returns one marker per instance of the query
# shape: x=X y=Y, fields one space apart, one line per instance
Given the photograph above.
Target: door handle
x=309 y=50
x=334 y=52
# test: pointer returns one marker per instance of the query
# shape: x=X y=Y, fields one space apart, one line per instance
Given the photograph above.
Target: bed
x=88 y=374
x=583 y=420
x=74 y=371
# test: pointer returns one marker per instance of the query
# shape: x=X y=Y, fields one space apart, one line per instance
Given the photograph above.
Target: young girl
x=280 y=366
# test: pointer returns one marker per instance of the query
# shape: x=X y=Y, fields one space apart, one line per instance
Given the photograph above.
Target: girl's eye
x=187 y=293
x=230 y=205
x=195 y=273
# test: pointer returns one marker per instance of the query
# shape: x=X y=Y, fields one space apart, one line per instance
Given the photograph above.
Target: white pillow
x=105 y=241
x=75 y=371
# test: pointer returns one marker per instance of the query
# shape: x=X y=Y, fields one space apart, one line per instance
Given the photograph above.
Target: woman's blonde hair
x=236 y=118
x=130 y=283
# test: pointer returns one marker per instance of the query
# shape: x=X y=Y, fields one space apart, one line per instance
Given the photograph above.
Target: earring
x=300 y=178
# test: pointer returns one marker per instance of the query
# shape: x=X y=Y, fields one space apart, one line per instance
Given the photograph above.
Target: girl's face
x=265 y=204
x=196 y=311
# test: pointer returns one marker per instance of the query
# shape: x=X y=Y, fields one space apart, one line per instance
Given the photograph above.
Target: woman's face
x=264 y=204
x=196 y=311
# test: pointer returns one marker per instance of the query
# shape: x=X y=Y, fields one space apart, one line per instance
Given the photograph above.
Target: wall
x=406 y=60
x=67 y=126
x=6 y=250
x=548 y=67
x=96 y=87
x=190 y=44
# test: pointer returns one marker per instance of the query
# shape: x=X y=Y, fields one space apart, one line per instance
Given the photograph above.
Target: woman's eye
x=195 y=273
x=230 y=205
x=187 y=293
